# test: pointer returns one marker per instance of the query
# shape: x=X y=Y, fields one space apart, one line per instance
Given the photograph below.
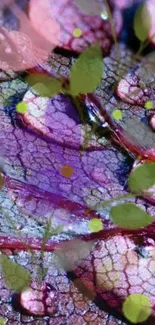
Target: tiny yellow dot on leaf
x=117 y=115
x=77 y=32
x=21 y=107
x=67 y=171
x=148 y=105
x=95 y=225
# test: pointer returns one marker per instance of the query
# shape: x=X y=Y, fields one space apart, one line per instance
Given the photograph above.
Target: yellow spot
x=148 y=105
x=21 y=107
x=95 y=225
x=1 y=181
x=117 y=115
x=77 y=32
x=137 y=308
x=67 y=171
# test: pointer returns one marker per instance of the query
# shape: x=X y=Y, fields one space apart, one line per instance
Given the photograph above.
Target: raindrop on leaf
x=130 y=216
x=86 y=72
x=15 y=276
x=137 y=308
x=142 y=23
x=142 y=177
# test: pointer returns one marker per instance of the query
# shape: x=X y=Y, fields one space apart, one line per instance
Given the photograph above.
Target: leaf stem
x=117 y=198
x=112 y=29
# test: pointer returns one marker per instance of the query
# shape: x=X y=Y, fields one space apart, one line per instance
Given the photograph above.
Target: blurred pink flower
x=30 y=46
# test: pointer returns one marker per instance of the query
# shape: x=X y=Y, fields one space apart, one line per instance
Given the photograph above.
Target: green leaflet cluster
x=85 y=76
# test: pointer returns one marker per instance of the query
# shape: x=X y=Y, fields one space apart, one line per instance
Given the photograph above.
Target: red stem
x=13 y=243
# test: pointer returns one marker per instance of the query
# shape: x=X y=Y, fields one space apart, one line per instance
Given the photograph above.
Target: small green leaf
x=142 y=22
x=15 y=276
x=86 y=72
x=142 y=178
x=44 y=85
x=130 y=216
x=137 y=308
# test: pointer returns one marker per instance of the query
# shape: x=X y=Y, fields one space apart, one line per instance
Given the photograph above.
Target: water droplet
x=104 y=15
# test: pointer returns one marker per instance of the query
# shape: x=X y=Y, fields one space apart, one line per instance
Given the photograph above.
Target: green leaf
x=130 y=216
x=142 y=22
x=142 y=178
x=137 y=308
x=15 y=276
x=86 y=72
x=44 y=85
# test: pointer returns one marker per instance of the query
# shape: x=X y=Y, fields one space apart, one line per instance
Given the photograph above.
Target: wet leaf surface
x=36 y=186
